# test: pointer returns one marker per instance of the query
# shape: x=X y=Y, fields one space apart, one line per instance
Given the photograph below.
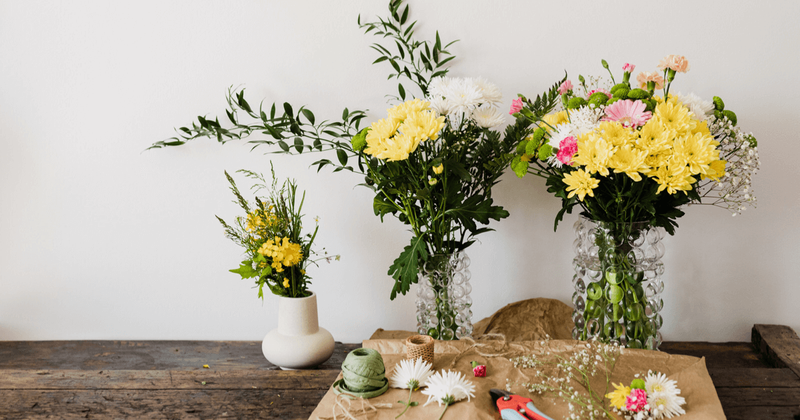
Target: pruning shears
x=514 y=407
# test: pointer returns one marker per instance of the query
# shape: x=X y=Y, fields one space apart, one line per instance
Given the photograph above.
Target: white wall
x=101 y=240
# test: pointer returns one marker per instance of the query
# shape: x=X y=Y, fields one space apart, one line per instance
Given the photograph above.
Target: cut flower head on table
x=624 y=152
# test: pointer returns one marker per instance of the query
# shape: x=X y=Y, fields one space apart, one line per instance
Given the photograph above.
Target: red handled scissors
x=514 y=407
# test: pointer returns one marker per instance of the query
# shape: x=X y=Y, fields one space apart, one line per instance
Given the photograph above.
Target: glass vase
x=618 y=282
x=444 y=305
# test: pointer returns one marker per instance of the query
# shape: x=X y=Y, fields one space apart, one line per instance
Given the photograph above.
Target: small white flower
x=488 y=116
x=448 y=387
x=410 y=370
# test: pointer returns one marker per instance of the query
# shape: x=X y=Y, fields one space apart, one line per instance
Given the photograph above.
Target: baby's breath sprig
x=568 y=375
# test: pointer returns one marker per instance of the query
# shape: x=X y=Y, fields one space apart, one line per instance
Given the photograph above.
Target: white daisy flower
x=699 y=107
x=663 y=395
x=438 y=86
x=585 y=119
x=491 y=93
x=561 y=132
x=447 y=387
x=410 y=374
x=488 y=116
x=462 y=95
x=439 y=104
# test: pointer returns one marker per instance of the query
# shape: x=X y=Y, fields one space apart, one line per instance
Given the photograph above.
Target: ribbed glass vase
x=618 y=282
x=444 y=305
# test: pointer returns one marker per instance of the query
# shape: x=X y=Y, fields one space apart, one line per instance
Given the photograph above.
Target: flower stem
x=408 y=403
x=443 y=411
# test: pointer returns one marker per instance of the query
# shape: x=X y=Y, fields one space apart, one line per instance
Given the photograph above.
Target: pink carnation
x=647 y=76
x=628 y=113
x=628 y=67
x=567 y=149
x=636 y=401
x=677 y=63
x=565 y=87
x=516 y=106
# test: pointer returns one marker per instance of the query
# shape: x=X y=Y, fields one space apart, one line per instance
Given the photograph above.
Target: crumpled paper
x=691 y=374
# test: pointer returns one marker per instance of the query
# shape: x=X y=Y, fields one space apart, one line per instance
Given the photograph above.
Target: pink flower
x=565 y=87
x=636 y=401
x=516 y=106
x=598 y=90
x=629 y=113
x=567 y=149
x=628 y=67
x=647 y=76
x=678 y=63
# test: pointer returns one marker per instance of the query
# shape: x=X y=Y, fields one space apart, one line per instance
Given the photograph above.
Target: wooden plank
x=724 y=355
x=754 y=377
x=759 y=397
x=159 y=379
x=161 y=404
x=779 y=344
x=145 y=355
x=751 y=413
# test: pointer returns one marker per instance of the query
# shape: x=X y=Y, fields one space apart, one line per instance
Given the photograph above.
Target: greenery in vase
x=278 y=253
x=432 y=163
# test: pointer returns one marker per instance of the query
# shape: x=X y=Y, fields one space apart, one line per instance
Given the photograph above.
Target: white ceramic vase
x=298 y=342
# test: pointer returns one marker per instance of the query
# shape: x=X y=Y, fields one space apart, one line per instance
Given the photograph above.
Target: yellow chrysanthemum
x=654 y=137
x=673 y=178
x=401 y=112
x=696 y=151
x=581 y=183
x=716 y=170
x=593 y=153
x=379 y=132
x=675 y=117
x=629 y=161
x=553 y=120
x=618 y=396
x=422 y=126
x=615 y=133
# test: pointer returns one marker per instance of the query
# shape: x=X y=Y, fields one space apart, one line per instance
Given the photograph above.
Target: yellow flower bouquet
x=271 y=234
x=630 y=159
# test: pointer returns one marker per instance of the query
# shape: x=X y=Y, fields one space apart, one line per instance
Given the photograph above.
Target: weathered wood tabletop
x=167 y=380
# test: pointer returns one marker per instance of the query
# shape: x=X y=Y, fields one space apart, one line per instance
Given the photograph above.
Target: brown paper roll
x=420 y=346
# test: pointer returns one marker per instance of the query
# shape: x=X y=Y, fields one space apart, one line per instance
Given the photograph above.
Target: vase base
x=298 y=352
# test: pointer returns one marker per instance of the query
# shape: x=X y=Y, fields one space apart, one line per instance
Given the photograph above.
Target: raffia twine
x=490 y=345
x=363 y=375
x=348 y=412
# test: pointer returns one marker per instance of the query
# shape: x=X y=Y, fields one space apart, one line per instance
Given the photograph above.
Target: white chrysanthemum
x=462 y=95
x=439 y=104
x=561 y=132
x=585 y=119
x=699 y=107
x=438 y=85
x=663 y=396
x=447 y=387
x=491 y=93
x=488 y=116
x=409 y=371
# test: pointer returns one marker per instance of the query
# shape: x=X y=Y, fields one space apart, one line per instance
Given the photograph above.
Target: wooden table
x=167 y=380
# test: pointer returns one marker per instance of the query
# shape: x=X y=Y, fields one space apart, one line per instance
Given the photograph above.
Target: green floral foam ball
x=576 y=103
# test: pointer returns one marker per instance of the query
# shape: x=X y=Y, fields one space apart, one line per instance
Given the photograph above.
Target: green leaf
x=274 y=132
x=401 y=91
x=405 y=268
x=382 y=207
x=309 y=116
x=245 y=270
x=342 y=155
x=288 y=109
x=283 y=145
x=345 y=113
x=298 y=144
x=405 y=16
x=380 y=59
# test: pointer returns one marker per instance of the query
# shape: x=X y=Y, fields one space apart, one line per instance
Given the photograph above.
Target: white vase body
x=298 y=342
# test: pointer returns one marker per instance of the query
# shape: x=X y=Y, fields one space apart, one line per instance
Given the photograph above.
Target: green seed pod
x=718 y=104
x=575 y=103
x=730 y=115
x=605 y=64
x=638 y=94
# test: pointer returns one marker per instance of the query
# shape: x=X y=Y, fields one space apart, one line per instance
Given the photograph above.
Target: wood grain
x=779 y=344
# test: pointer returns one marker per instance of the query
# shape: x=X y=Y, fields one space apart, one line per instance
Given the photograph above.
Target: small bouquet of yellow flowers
x=271 y=234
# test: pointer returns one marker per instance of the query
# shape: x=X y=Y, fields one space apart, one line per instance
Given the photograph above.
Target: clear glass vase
x=444 y=305
x=618 y=282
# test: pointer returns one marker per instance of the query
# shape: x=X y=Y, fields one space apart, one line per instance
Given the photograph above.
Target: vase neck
x=298 y=316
